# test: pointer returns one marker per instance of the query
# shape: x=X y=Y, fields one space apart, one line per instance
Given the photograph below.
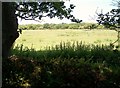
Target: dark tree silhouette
x=9 y=27
x=29 y=11
x=111 y=19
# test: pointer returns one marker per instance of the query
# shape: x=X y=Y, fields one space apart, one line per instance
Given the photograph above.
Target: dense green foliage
x=61 y=26
x=65 y=65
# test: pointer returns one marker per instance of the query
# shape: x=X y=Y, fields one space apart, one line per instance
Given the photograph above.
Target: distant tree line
x=61 y=26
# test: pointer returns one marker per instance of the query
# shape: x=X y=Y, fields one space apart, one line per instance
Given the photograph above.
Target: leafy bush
x=31 y=27
x=73 y=26
x=61 y=73
x=46 y=26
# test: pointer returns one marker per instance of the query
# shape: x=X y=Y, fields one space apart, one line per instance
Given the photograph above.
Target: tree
x=9 y=27
x=29 y=11
x=111 y=19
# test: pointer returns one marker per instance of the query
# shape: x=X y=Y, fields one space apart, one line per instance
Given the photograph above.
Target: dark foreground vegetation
x=63 y=66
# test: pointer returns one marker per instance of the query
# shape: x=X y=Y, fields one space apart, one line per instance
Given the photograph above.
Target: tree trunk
x=9 y=27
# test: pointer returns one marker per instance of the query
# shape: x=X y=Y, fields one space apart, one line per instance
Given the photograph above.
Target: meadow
x=40 y=39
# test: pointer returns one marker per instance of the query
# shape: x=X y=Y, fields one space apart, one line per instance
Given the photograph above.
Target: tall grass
x=75 y=50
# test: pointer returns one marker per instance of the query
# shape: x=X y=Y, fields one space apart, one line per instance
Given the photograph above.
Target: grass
x=39 y=39
x=76 y=50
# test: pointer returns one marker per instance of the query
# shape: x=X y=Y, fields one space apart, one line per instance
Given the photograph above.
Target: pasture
x=40 y=39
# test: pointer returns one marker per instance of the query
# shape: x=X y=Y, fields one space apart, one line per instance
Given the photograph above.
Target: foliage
x=111 y=18
x=33 y=10
x=61 y=26
x=31 y=70
x=31 y=27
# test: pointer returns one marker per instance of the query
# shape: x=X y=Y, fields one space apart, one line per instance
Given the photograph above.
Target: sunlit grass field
x=40 y=39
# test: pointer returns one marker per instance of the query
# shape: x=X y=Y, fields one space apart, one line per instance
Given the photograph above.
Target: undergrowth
x=76 y=50
x=63 y=66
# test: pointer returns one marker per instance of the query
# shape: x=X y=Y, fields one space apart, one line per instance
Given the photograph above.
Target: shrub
x=46 y=26
x=57 y=72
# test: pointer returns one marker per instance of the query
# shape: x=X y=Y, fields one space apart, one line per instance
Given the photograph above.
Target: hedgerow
x=61 y=26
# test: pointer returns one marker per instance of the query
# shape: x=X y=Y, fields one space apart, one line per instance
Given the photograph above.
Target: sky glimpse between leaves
x=85 y=10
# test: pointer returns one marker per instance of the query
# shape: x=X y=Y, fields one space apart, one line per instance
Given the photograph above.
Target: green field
x=39 y=39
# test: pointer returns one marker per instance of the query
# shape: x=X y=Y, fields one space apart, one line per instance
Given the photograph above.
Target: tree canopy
x=111 y=18
x=33 y=10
